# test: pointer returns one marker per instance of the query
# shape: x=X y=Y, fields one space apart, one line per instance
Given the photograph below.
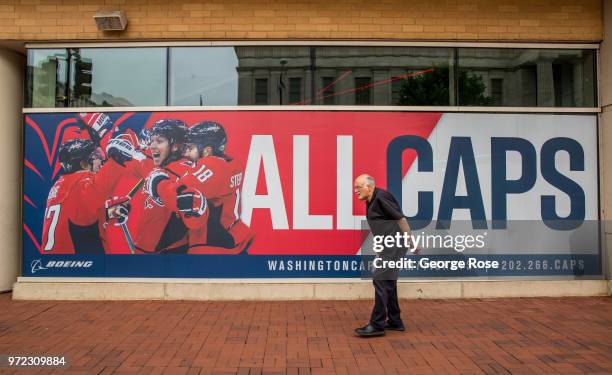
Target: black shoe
x=369 y=331
x=390 y=327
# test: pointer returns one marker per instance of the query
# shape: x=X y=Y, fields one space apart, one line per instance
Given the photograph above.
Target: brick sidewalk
x=543 y=335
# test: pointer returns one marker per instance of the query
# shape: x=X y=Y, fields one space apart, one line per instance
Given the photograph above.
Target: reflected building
x=273 y=75
x=276 y=75
x=330 y=75
x=533 y=78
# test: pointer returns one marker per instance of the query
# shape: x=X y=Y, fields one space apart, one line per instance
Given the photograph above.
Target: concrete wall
x=12 y=72
x=297 y=290
x=482 y=20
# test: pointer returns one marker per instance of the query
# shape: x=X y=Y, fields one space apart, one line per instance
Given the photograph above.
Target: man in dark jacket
x=385 y=218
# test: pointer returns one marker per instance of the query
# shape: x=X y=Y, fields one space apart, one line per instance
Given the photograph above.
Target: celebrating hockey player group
x=190 y=187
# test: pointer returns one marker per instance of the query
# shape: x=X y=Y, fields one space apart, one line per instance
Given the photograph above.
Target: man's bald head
x=366 y=179
x=364 y=187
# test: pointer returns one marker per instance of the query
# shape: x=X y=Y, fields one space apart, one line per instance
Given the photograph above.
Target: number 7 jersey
x=75 y=209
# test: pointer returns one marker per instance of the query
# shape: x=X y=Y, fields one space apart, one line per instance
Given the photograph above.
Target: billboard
x=269 y=194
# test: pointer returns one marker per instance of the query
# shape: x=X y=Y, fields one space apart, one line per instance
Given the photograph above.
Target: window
x=277 y=64
x=311 y=75
x=396 y=87
x=526 y=77
x=529 y=87
x=497 y=92
x=408 y=76
x=92 y=77
x=328 y=90
x=125 y=76
x=295 y=90
x=47 y=83
x=563 y=78
x=261 y=91
x=363 y=91
x=203 y=76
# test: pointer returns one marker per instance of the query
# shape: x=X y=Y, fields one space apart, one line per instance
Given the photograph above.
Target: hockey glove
x=190 y=202
x=98 y=124
x=117 y=210
x=123 y=147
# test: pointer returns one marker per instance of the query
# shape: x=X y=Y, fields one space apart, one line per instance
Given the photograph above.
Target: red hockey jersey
x=219 y=180
x=161 y=228
x=74 y=206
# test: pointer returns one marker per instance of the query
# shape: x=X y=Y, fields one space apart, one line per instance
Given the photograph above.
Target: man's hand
x=404 y=227
x=412 y=247
x=117 y=209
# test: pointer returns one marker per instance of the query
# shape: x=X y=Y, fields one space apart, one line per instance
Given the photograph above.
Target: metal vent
x=111 y=20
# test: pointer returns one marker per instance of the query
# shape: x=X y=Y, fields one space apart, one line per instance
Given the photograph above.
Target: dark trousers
x=386 y=305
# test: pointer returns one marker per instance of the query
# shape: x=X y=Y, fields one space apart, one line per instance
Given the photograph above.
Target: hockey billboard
x=269 y=194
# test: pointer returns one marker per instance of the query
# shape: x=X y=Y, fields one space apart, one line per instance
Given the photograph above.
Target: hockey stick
x=124 y=228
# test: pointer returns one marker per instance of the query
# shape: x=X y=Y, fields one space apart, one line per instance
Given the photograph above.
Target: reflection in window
x=295 y=90
x=497 y=92
x=363 y=91
x=47 y=78
x=427 y=87
x=396 y=75
x=261 y=91
x=278 y=65
x=526 y=77
x=203 y=76
x=90 y=77
x=396 y=86
x=304 y=75
x=328 y=91
x=121 y=77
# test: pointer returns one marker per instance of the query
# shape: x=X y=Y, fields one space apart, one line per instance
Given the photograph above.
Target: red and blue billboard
x=269 y=194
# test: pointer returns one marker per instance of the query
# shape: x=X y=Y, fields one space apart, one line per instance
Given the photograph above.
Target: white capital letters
x=301 y=181
x=262 y=151
x=344 y=185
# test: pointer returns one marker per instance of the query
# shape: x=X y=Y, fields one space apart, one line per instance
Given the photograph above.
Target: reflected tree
x=432 y=88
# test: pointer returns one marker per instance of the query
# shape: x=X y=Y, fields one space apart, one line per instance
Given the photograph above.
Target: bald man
x=384 y=217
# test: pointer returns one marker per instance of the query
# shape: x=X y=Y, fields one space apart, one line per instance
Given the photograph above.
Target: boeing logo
x=36 y=265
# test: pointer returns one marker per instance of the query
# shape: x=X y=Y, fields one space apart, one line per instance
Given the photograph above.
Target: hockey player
x=219 y=178
x=74 y=205
x=165 y=222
